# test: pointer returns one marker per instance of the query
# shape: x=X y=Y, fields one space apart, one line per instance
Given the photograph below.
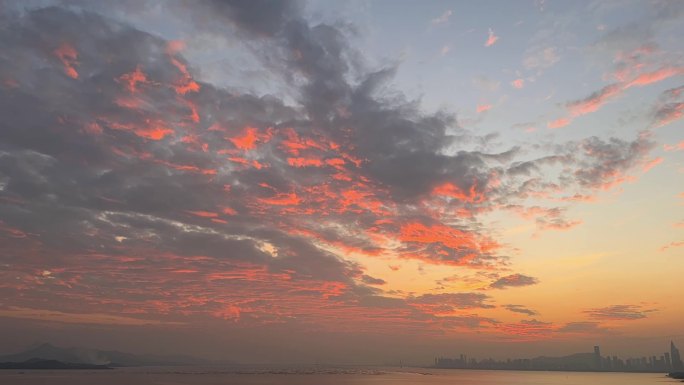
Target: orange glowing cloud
x=491 y=39
x=186 y=167
x=518 y=83
x=186 y=83
x=448 y=236
x=174 y=46
x=247 y=162
x=653 y=163
x=558 y=123
x=594 y=101
x=194 y=115
x=203 y=214
x=304 y=162
x=151 y=129
x=249 y=138
x=228 y=211
x=282 y=199
x=677 y=147
x=655 y=76
x=483 y=107
x=67 y=54
x=132 y=79
x=453 y=191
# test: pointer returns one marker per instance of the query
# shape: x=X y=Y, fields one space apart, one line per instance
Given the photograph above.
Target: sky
x=350 y=182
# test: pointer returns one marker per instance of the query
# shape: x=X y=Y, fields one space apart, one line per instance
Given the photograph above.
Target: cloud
x=151 y=193
x=559 y=123
x=605 y=162
x=669 y=108
x=661 y=74
x=520 y=309
x=594 y=101
x=443 y=18
x=513 y=280
x=483 y=107
x=672 y=245
x=584 y=327
x=631 y=71
x=518 y=83
x=676 y=147
x=546 y=218
x=527 y=328
x=652 y=163
x=619 y=312
x=177 y=182
x=491 y=39
x=372 y=281
x=449 y=302
x=78 y=318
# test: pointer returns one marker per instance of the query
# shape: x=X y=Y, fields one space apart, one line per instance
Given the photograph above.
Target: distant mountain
x=38 y=363
x=98 y=357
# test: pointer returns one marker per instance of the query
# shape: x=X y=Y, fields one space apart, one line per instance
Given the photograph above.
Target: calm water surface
x=384 y=376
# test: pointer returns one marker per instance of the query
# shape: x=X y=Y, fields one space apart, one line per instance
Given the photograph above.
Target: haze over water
x=386 y=376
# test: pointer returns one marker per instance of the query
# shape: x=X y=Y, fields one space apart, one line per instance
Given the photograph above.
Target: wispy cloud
x=620 y=312
x=483 y=107
x=443 y=18
x=520 y=309
x=79 y=318
x=491 y=39
x=518 y=83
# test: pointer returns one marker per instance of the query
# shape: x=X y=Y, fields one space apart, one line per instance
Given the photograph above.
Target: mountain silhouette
x=76 y=355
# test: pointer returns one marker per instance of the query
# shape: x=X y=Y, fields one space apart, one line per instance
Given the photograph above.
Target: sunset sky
x=342 y=181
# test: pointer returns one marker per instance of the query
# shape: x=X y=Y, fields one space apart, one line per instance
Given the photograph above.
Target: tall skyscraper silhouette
x=597 y=358
x=674 y=356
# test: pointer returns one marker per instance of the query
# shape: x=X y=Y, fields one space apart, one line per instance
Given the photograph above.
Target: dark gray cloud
x=513 y=280
x=520 y=309
x=669 y=108
x=586 y=327
x=605 y=162
x=620 y=312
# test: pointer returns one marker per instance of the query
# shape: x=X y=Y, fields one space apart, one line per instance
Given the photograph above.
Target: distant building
x=674 y=356
x=575 y=362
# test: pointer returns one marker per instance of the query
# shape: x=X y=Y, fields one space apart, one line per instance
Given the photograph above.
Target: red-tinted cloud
x=68 y=55
x=483 y=107
x=491 y=38
x=559 y=123
x=518 y=83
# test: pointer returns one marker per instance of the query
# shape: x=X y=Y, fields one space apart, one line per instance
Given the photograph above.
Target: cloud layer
x=129 y=186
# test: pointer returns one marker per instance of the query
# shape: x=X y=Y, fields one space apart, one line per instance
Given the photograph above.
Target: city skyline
x=357 y=181
x=667 y=362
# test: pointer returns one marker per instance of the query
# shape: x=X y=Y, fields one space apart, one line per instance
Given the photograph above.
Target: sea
x=320 y=376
